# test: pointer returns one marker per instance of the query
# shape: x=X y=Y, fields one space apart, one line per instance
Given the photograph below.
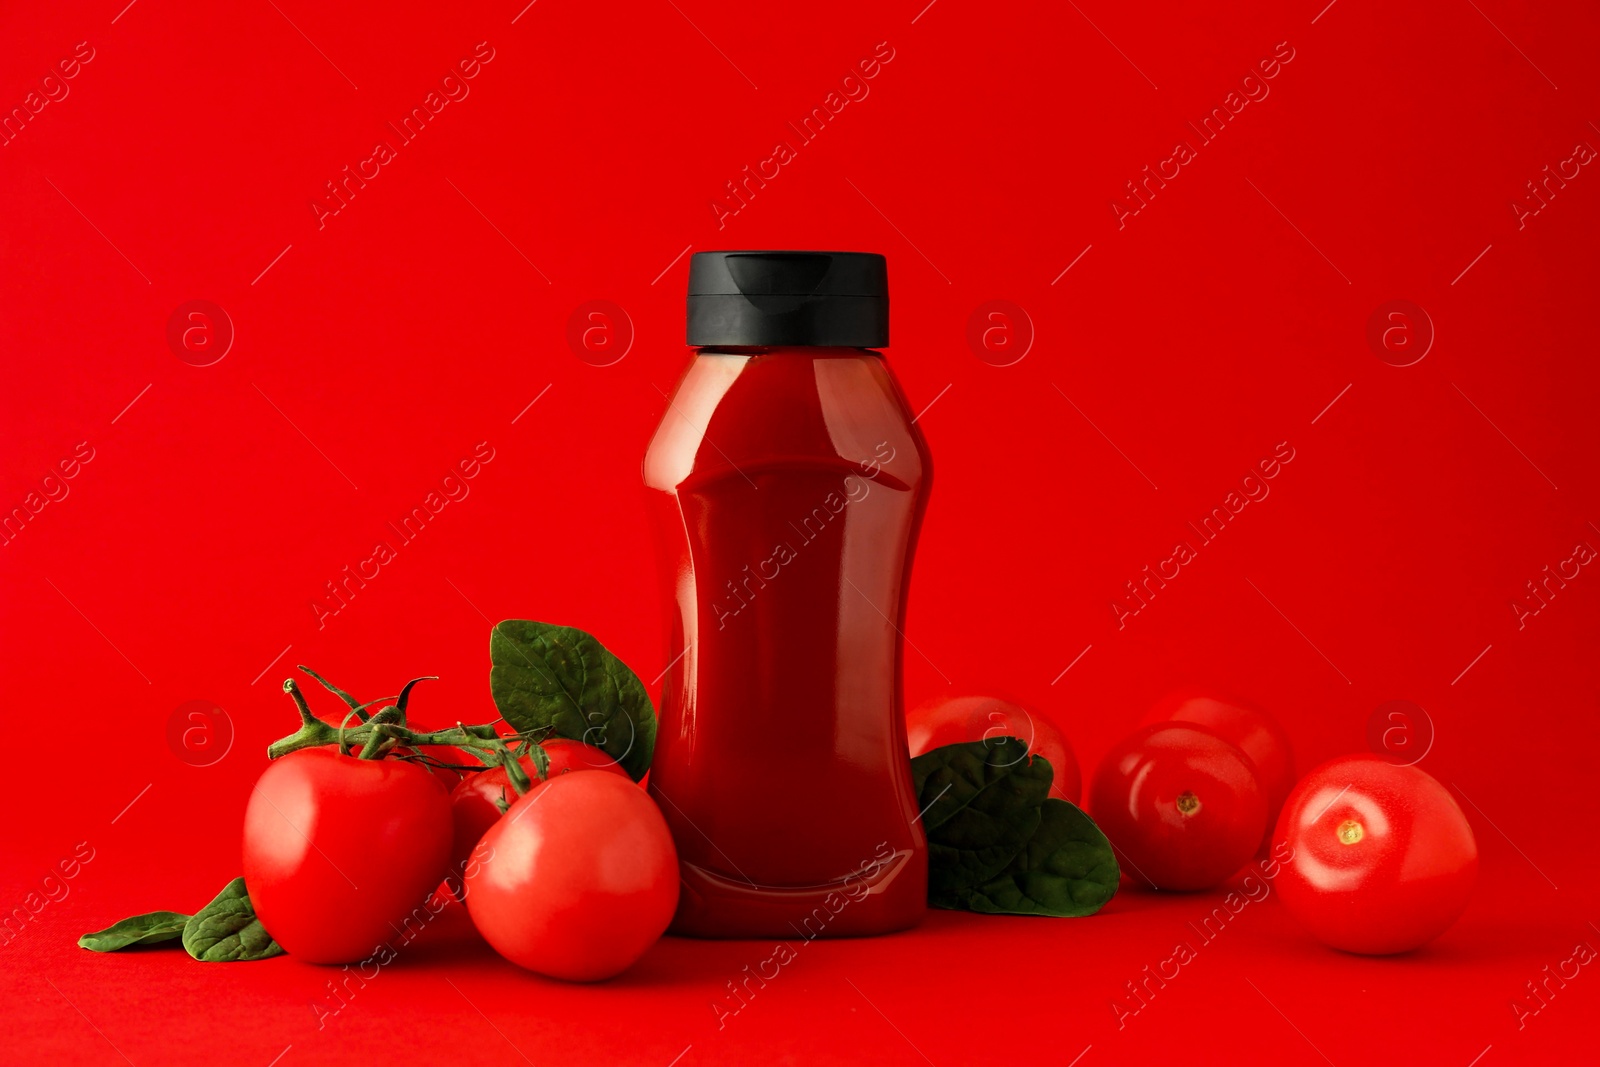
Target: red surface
x=372 y=355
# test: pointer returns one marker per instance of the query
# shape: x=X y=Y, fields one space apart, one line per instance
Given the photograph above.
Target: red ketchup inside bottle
x=788 y=484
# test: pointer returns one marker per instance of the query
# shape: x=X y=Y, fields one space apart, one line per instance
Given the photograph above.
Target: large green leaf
x=980 y=806
x=561 y=677
x=1067 y=869
x=227 y=929
x=149 y=929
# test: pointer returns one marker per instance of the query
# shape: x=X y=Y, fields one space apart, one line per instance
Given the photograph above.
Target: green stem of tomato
x=372 y=739
x=299 y=699
x=374 y=747
x=385 y=730
x=515 y=773
x=541 y=760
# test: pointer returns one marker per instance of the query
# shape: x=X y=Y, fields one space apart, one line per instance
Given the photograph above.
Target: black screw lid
x=789 y=298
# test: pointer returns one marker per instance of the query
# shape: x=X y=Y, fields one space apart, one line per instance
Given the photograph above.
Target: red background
x=375 y=352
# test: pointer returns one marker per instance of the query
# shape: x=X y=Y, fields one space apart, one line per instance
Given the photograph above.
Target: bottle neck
x=807 y=351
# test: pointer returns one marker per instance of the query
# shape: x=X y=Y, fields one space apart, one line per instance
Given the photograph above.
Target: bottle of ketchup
x=788 y=485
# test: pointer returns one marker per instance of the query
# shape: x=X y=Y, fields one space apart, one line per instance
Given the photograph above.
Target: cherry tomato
x=1384 y=859
x=1247 y=728
x=1183 y=805
x=959 y=719
x=578 y=879
x=338 y=850
x=478 y=801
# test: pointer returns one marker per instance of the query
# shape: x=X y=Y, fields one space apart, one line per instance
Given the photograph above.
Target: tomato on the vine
x=1384 y=859
x=1183 y=805
x=338 y=850
x=1246 y=727
x=979 y=718
x=479 y=799
x=578 y=880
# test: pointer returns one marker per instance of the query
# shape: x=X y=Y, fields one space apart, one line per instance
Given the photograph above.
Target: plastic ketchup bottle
x=788 y=485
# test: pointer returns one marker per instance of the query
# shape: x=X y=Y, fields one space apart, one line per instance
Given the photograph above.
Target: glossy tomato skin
x=338 y=850
x=475 y=800
x=1246 y=727
x=578 y=880
x=1384 y=859
x=974 y=718
x=1185 y=807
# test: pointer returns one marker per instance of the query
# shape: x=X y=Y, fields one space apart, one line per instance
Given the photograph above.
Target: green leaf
x=149 y=929
x=1066 y=869
x=227 y=929
x=980 y=802
x=561 y=677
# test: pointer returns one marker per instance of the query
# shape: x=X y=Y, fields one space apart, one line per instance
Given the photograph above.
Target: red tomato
x=338 y=850
x=578 y=880
x=953 y=721
x=1384 y=860
x=475 y=803
x=1183 y=806
x=1247 y=728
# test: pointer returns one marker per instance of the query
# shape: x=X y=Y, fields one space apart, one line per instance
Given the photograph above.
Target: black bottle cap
x=739 y=299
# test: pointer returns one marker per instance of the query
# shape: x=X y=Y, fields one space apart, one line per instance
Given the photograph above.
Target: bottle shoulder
x=733 y=413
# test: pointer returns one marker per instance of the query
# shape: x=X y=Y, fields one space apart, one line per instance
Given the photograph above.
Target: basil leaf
x=980 y=803
x=561 y=677
x=1066 y=869
x=150 y=929
x=227 y=929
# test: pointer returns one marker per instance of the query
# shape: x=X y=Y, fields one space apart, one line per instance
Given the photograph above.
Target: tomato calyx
x=384 y=733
